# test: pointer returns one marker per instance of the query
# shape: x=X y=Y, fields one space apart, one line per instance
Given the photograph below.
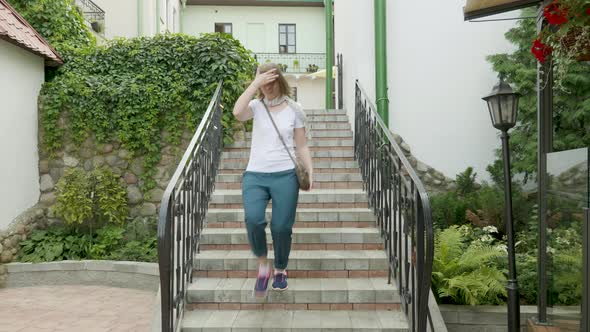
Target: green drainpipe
x=139 y=18
x=182 y=9
x=381 y=60
x=329 y=52
x=157 y=17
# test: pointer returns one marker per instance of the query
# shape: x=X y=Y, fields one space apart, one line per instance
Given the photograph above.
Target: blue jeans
x=257 y=189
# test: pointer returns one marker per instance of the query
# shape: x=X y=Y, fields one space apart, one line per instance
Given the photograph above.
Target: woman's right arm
x=241 y=109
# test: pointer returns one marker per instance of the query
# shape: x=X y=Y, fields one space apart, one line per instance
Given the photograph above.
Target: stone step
x=327 y=118
x=294 y=320
x=321 y=134
x=305 y=218
x=335 y=142
x=329 y=126
x=320 y=177
x=300 y=235
x=324 y=112
x=302 y=290
x=341 y=197
x=314 y=154
x=300 y=260
x=316 y=165
x=246 y=148
x=302 y=215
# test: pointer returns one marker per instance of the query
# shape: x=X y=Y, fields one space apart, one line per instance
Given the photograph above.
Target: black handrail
x=182 y=212
x=402 y=207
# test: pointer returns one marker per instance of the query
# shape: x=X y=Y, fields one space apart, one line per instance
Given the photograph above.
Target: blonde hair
x=284 y=87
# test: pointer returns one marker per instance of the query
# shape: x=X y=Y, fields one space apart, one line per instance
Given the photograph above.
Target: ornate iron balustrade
x=402 y=208
x=182 y=212
x=296 y=63
x=93 y=14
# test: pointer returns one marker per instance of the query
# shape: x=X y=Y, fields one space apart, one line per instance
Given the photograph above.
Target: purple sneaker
x=280 y=281
x=261 y=282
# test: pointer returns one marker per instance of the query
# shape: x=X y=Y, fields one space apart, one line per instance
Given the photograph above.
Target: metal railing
x=296 y=63
x=402 y=208
x=183 y=210
x=340 y=81
x=93 y=14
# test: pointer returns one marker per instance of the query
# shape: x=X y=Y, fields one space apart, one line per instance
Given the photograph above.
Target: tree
x=571 y=103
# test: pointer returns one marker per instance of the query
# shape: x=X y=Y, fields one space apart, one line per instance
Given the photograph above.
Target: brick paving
x=75 y=308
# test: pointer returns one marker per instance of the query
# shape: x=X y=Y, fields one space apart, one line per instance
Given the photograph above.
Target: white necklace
x=276 y=101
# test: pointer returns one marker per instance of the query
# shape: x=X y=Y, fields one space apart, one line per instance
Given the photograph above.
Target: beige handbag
x=302 y=173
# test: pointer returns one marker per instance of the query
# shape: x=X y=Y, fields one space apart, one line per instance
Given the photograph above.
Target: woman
x=270 y=174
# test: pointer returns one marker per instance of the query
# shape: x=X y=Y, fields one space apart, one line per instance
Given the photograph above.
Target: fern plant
x=466 y=274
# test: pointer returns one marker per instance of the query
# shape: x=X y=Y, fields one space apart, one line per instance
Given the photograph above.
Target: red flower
x=588 y=11
x=555 y=13
x=540 y=50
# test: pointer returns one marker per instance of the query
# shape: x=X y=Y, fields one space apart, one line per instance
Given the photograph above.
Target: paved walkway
x=75 y=308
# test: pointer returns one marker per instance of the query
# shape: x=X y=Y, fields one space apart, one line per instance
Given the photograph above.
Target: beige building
x=24 y=55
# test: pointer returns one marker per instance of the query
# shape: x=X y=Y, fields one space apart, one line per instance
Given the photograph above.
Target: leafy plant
x=142 y=92
x=465 y=273
x=133 y=241
x=54 y=244
x=98 y=196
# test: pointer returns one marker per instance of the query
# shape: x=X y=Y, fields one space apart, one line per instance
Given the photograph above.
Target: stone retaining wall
x=136 y=275
x=464 y=318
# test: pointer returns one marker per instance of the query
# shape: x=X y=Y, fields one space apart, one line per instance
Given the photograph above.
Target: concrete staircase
x=337 y=268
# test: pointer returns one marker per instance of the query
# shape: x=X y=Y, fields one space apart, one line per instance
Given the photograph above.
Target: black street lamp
x=503 y=106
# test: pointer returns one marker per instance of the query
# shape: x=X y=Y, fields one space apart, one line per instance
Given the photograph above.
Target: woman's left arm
x=303 y=151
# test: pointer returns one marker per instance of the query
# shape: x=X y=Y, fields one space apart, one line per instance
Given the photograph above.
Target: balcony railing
x=295 y=63
x=93 y=14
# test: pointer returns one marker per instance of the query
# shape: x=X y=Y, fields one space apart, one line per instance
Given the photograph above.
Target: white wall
x=310 y=29
x=437 y=74
x=20 y=82
x=310 y=92
x=120 y=17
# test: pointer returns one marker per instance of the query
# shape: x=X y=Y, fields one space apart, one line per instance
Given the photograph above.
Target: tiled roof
x=16 y=30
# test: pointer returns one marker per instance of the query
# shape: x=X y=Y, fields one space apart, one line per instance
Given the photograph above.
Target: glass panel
x=494 y=109
x=291 y=39
x=282 y=49
x=291 y=28
x=506 y=104
x=282 y=39
x=282 y=28
x=291 y=49
x=567 y=195
x=228 y=28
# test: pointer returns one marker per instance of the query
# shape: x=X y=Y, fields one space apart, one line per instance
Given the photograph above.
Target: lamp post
x=503 y=105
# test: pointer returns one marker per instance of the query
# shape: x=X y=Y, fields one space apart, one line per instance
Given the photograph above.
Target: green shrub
x=55 y=244
x=98 y=196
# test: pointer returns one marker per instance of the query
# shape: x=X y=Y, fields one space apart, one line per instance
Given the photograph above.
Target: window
x=224 y=28
x=287 y=38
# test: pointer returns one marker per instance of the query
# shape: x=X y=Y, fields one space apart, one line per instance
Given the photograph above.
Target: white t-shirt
x=268 y=153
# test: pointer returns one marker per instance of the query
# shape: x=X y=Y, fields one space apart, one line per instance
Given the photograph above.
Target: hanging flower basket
x=577 y=41
x=567 y=34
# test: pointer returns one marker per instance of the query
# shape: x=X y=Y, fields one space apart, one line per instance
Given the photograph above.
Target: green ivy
x=59 y=21
x=142 y=92
x=98 y=196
